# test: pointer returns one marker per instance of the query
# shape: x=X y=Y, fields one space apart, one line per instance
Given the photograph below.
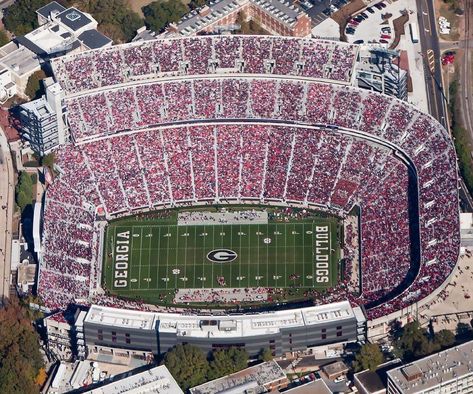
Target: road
x=466 y=91
x=7 y=206
x=431 y=53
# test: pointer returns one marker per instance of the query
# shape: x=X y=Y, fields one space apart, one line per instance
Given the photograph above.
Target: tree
x=187 y=364
x=24 y=190
x=369 y=357
x=194 y=4
x=20 y=17
x=4 y=39
x=265 y=354
x=414 y=342
x=49 y=160
x=159 y=14
x=227 y=361
x=34 y=87
x=444 y=338
x=114 y=17
x=464 y=331
x=20 y=359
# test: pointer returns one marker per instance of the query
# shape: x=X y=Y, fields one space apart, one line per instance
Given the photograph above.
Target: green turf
x=160 y=249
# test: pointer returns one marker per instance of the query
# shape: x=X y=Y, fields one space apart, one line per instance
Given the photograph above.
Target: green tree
x=49 y=160
x=34 y=88
x=20 y=359
x=20 y=17
x=159 y=14
x=464 y=331
x=265 y=354
x=369 y=357
x=114 y=17
x=414 y=342
x=444 y=338
x=4 y=39
x=227 y=361
x=24 y=190
x=187 y=364
x=194 y=4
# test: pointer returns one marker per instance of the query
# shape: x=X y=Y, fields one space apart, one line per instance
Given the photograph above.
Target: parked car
x=354 y=22
x=370 y=10
x=386 y=30
x=383 y=41
x=378 y=6
x=364 y=15
x=358 y=42
x=350 y=32
x=382 y=5
x=386 y=36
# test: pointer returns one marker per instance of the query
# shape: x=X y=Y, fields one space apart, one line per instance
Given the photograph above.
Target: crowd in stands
x=268 y=163
x=206 y=55
x=233 y=162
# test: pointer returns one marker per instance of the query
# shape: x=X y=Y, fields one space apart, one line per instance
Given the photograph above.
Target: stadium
x=254 y=150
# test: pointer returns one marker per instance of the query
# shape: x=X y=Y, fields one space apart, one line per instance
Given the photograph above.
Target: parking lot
x=369 y=26
x=319 y=10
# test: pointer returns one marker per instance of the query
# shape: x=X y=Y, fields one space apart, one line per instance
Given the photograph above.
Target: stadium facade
x=142 y=333
x=260 y=120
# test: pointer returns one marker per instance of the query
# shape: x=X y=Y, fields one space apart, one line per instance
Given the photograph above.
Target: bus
x=414 y=32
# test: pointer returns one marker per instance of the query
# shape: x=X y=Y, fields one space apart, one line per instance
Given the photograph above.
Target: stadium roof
x=439 y=368
x=221 y=326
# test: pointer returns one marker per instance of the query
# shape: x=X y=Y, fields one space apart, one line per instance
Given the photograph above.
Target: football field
x=145 y=258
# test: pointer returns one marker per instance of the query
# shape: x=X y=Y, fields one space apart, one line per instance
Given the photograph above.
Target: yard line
x=193 y=261
x=185 y=256
x=167 y=257
x=149 y=255
x=267 y=257
x=303 y=255
x=175 y=262
x=157 y=265
x=139 y=266
x=285 y=254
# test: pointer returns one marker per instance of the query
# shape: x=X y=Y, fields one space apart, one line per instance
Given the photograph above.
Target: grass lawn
x=147 y=258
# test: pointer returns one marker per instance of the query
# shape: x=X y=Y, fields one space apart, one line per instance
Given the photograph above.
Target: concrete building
x=110 y=330
x=449 y=371
x=154 y=380
x=61 y=31
x=316 y=387
x=375 y=382
x=279 y=17
x=262 y=378
x=66 y=335
x=41 y=120
x=377 y=69
x=17 y=64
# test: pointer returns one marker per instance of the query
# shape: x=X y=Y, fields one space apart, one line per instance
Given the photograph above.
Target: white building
x=449 y=371
x=61 y=31
x=42 y=124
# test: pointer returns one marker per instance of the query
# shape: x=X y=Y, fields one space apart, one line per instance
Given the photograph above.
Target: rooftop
x=221 y=326
x=317 y=386
x=155 y=380
x=74 y=19
x=195 y=21
x=249 y=378
x=438 y=368
x=52 y=7
x=93 y=39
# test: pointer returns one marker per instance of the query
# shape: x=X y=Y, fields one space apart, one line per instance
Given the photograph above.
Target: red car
x=386 y=36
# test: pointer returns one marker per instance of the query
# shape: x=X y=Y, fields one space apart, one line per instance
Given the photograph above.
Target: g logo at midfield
x=222 y=256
